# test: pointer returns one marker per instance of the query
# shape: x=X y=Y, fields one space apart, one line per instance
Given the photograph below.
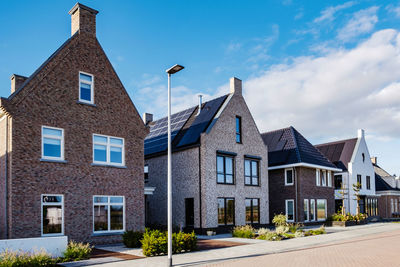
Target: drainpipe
x=296 y=204
x=200 y=213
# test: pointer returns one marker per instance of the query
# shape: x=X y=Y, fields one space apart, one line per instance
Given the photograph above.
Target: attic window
x=363 y=156
x=86 y=87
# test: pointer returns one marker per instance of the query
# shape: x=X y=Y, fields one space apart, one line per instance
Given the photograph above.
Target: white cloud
x=233 y=47
x=362 y=22
x=328 y=14
x=393 y=9
x=333 y=94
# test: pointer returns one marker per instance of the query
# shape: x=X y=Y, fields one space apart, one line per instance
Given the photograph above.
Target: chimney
x=83 y=19
x=147 y=118
x=374 y=160
x=236 y=86
x=200 y=103
x=360 y=133
x=16 y=82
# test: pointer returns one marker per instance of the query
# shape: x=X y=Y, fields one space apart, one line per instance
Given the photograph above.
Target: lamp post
x=170 y=71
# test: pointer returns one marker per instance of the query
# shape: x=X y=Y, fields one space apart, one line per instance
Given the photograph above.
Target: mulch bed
x=205 y=244
x=101 y=253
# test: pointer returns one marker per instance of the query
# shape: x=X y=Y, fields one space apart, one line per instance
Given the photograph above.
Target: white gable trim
x=302 y=164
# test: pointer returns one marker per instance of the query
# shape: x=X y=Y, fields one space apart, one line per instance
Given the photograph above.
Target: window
x=329 y=178
x=306 y=211
x=312 y=209
x=108 y=214
x=338 y=181
x=108 y=150
x=289 y=210
x=252 y=210
x=146 y=173
x=317 y=177
x=359 y=180
x=368 y=182
x=392 y=205
x=323 y=180
x=238 y=129
x=52 y=143
x=224 y=169
x=86 y=85
x=289 y=177
x=52 y=215
x=226 y=211
x=321 y=209
x=251 y=172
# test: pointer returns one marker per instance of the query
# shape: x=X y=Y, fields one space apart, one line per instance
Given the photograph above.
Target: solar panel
x=157 y=139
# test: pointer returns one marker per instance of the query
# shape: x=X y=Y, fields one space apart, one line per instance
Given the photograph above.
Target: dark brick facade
x=305 y=182
x=50 y=99
x=385 y=206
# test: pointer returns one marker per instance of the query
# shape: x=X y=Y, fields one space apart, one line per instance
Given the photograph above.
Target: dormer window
x=86 y=86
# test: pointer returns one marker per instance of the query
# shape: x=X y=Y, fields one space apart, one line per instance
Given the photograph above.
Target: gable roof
x=380 y=183
x=186 y=128
x=287 y=146
x=339 y=152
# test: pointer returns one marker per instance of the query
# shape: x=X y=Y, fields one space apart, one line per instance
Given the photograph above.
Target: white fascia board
x=302 y=164
x=390 y=193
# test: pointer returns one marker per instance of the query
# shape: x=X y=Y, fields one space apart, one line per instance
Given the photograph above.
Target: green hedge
x=132 y=239
x=155 y=242
x=245 y=231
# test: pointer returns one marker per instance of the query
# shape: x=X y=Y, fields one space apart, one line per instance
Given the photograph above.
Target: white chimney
x=236 y=86
x=147 y=118
x=361 y=133
x=200 y=103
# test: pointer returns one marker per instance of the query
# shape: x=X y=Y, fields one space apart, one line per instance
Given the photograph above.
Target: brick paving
x=375 y=250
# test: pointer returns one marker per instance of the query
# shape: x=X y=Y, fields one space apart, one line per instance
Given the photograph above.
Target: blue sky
x=325 y=67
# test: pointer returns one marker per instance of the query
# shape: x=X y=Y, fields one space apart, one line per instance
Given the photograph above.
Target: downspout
x=200 y=217
x=296 y=204
x=6 y=179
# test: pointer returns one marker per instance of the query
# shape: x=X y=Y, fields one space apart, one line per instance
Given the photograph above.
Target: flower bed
x=339 y=219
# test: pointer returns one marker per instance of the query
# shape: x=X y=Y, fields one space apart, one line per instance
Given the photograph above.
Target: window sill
x=108 y=165
x=54 y=160
x=84 y=103
x=225 y=184
x=253 y=185
x=289 y=184
x=108 y=234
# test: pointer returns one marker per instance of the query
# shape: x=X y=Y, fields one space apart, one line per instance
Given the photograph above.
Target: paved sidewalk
x=335 y=235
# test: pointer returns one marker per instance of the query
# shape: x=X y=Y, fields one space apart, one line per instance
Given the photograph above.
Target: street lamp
x=172 y=70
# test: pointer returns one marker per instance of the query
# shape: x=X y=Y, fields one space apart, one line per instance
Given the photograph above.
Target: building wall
x=222 y=137
x=385 y=206
x=364 y=168
x=50 y=99
x=305 y=181
x=3 y=157
x=185 y=184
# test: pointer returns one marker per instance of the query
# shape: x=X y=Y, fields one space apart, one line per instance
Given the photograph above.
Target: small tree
x=343 y=194
x=357 y=188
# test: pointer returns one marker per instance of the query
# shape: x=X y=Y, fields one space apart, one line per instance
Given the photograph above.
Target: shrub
x=132 y=239
x=23 y=259
x=245 y=231
x=299 y=233
x=263 y=231
x=319 y=231
x=270 y=236
x=77 y=251
x=155 y=242
x=279 y=220
x=280 y=230
x=293 y=227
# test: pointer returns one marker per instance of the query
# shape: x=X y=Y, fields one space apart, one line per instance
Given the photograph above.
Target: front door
x=189 y=211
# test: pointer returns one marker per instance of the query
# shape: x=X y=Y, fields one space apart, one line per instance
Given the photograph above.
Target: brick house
x=388 y=189
x=352 y=156
x=300 y=178
x=219 y=165
x=71 y=146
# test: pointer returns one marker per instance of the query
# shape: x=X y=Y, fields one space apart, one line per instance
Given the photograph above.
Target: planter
x=362 y=222
x=344 y=224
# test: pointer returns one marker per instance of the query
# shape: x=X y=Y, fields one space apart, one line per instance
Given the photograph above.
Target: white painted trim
x=302 y=164
x=61 y=158
x=286 y=210
x=308 y=209
x=109 y=204
x=289 y=169
x=317 y=177
x=148 y=190
x=52 y=204
x=108 y=151
x=91 y=88
x=388 y=192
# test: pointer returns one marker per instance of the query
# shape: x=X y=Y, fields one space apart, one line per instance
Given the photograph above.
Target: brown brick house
x=71 y=146
x=300 y=178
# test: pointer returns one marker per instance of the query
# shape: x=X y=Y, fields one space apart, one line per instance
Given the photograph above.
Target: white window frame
x=329 y=178
x=61 y=138
x=91 y=87
x=286 y=210
x=317 y=177
x=52 y=204
x=323 y=180
x=326 y=208
x=289 y=169
x=305 y=203
x=109 y=204
x=108 y=151
x=312 y=206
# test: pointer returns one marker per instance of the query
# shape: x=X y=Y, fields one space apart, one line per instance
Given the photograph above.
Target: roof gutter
x=302 y=164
